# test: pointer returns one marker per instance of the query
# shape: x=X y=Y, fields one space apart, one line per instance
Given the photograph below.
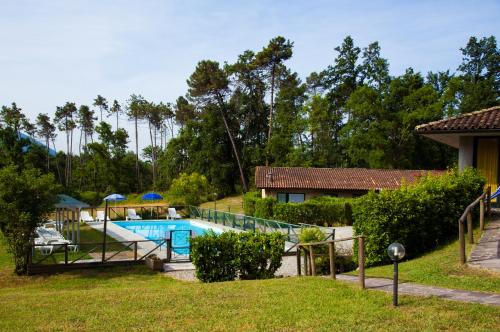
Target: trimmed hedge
x=264 y=208
x=321 y=211
x=249 y=200
x=222 y=257
x=419 y=216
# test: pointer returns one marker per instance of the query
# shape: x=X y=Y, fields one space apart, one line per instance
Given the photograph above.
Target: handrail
x=467 y=216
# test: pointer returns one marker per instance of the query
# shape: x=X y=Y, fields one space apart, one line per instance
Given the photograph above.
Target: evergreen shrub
x=222 y=257
x=419 y=216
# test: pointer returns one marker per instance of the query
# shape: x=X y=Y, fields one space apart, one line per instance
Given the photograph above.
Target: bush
x=26 y=198
x=249 y=200
x=321 y=211
x=92 y=198
x=264 y=207
x=251 y=255
x=189 y=189
x=420 y=216
x=260 y=254
x=308 y=235
x=215 y=256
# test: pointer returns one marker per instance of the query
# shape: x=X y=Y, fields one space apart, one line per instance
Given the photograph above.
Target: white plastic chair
x=132 y=215
x=100 y=216
x=85 y=216
x=172 y=214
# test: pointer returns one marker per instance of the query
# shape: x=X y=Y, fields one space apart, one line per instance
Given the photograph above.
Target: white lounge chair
x=132 y=215
x=100 y=216
x=85 y=216
x=172 y=214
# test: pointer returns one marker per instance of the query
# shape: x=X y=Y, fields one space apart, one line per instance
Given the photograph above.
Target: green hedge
x=249 y=200
x=419 y=216
x=321 y=211
x=264 y=208
x=222 y=257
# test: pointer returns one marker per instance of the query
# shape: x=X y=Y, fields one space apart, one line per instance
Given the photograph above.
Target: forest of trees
x=257 y=111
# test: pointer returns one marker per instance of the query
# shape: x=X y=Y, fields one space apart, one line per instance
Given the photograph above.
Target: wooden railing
x=309 y=256
x=467 y=217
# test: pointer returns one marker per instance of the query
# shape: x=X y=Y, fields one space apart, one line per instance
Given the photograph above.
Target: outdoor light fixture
x=396 y=252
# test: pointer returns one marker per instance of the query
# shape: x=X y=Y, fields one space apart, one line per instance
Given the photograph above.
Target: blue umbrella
x=115 y=197
x=152 y=197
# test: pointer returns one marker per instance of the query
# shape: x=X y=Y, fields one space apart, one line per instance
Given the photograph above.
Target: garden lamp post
x=396 y=252
x=215 y=201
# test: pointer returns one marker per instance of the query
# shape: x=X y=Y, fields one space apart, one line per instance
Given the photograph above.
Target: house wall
x=465 y=152
x=313 y=193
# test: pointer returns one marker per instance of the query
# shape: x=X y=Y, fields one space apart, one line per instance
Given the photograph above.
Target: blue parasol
x=152 y=196
x=115 y=198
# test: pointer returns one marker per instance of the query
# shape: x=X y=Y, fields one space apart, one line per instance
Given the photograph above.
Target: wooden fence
x=484 y=202
x=309 y=256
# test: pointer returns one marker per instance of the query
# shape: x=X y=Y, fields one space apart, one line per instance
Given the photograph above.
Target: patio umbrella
x=152 y=196
x=112 y=198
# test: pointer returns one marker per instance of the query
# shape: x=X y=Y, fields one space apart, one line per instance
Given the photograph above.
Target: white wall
x=465 y=152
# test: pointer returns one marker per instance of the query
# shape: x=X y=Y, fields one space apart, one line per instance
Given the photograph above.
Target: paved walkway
x=410 y=288
x=486 y=254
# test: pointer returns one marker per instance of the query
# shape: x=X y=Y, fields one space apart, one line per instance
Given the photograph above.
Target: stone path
x=410 y=288
x=486 y=254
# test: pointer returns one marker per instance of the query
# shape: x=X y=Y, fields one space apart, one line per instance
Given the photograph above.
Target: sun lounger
x=172 y=214
x=132 y=215
x=85 y=216
x=100 y=216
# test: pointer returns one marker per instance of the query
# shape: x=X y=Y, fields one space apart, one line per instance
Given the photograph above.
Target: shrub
x=189 y=189
x=215 y=256
x=260 y=254
x=264 y=207
x=25 y=199
x=314 y=234
x=220 y=257
x=419 y=216
x=249 y=200
x=321 y=211
x=92 y=198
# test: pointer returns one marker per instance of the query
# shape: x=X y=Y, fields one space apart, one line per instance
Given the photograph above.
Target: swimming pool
x=157 y=230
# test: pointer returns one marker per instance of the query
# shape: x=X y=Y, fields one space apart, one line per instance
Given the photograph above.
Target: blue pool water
x=157 y=230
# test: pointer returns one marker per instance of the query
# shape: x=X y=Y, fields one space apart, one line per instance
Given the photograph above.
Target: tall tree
x=47 y=131
x=135 y=111
x=116 y=109
x=209 y=85
x=270 y=60
x=65 y=121
x=102 y=103
x=12 y=117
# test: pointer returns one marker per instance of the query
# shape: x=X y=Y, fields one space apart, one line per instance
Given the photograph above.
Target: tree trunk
x=57 y=163
x=47 y=142
x=152 y=155
x=271 y=111
x=116 y=120
x=137 y=156
x=235 y=150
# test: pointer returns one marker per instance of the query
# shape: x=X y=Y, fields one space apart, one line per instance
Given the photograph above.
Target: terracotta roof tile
x=483 y=120
x=335 y=178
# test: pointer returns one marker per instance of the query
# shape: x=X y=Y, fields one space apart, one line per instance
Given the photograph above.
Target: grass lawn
x=441 y=268
x=232 y=204
x=135 y=299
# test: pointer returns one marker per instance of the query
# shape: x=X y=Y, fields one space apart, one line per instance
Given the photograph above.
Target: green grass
x=136 y=299
x=232 y=204
x=441 y=268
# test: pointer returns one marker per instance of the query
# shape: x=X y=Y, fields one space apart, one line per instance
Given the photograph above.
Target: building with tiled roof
x=476 y=135
x=296 y=184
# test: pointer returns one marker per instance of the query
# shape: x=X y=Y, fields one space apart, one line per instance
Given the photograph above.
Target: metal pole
x=104 y=231
x=395 y=285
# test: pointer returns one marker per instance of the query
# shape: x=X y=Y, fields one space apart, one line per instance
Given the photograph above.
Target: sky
x=57 y=51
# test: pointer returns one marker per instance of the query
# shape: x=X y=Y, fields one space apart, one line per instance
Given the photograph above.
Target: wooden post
x=135 y=250
x=488 y=200
x=306 y=265
x=461 y=238
x=298 y=261
x=469 y=228
x=104 y=232
x=66 y=254
x=78 y=227
x=331 y=253
x=313 y=264
x=481 y=215
x=361 y=259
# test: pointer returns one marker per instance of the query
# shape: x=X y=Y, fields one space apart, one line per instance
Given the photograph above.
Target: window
x=291 y=198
